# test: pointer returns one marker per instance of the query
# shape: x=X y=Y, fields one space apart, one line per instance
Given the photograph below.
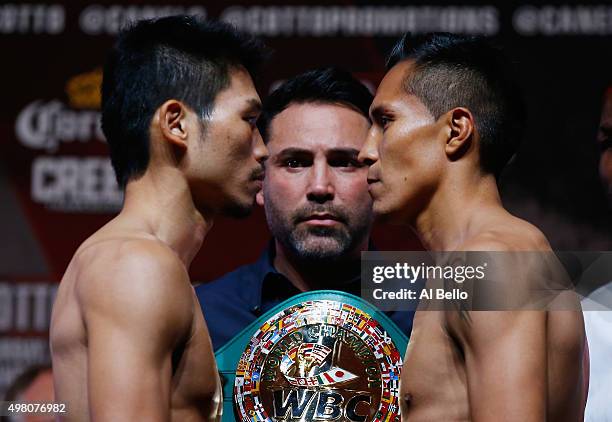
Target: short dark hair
x=329 y=85
x=467 y=71
x=178 y=57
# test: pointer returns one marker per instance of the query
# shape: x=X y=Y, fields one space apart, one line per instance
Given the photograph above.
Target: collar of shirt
x=271 y=287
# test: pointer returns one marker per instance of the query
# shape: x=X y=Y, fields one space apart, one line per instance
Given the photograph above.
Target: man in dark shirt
x=316 y=201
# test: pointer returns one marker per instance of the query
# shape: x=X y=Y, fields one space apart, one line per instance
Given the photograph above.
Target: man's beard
x=317 y=244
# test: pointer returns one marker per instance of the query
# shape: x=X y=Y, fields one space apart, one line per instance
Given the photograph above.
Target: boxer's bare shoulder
x=472 y=365
x=504 y=232
x=128 y=295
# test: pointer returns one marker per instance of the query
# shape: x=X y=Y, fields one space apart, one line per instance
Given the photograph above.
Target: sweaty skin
x=128 y=339
x=521 y=365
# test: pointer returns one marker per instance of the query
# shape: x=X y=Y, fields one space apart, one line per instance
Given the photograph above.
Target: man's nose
x=321 y=187
x=260 y=150
x=369 y=152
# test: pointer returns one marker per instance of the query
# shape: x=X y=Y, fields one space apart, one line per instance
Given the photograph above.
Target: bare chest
x=196 y=387
x=433 y=384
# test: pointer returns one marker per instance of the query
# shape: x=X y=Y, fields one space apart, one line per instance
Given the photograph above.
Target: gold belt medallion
x=319 y=360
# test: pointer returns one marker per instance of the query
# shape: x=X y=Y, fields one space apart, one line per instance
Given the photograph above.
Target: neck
x=160 y=204
x=309 y=275
x=444 y=228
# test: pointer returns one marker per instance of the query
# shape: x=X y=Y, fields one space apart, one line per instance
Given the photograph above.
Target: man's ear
x=259 y=197
x=462 y=129
x=173 y=123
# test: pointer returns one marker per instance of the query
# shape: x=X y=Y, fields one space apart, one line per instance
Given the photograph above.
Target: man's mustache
x=307 y=212
x=258 y=173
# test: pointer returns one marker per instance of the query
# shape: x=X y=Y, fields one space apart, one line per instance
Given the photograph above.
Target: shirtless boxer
x=128 y=339
x=445 y=123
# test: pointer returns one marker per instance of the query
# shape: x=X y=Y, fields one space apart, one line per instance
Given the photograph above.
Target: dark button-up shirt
x=238 y=298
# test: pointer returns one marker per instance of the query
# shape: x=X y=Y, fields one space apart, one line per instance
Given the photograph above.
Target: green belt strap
x=228 y=356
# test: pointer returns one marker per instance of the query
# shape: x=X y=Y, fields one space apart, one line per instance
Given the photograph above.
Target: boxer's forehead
x=394 y=81
x=391 y=95
x=240 y=94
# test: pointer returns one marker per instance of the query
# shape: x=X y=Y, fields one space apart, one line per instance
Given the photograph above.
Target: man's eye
x=384 y=121
x=251 y=120
x=344 y=162
x=294 y=163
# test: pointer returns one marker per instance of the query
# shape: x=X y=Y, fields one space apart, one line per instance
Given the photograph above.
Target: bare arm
x=137 y=306
x=505 y=355
x=506 y=350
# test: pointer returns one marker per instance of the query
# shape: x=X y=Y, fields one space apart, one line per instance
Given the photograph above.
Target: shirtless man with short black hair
x=128 y=339
x=446 y=120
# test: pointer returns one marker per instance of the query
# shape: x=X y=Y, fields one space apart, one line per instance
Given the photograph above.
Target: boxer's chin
x=389 y=215
x=383 y=212
x=237 y=209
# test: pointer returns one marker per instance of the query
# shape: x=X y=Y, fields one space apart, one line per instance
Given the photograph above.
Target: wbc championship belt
x=319 y=356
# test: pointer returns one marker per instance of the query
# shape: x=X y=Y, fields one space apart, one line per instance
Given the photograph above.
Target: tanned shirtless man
x=446 y=120
x=179 y=108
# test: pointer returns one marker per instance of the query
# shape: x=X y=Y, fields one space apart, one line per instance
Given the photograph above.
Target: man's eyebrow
x=350 y=152
x=253 y=104
x=377 y=111
x=292 y=152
